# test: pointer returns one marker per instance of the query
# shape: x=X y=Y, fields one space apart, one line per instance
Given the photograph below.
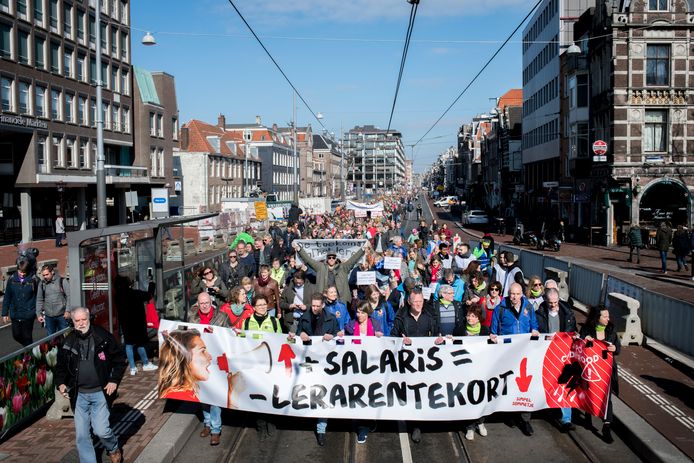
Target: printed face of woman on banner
x=200 y=360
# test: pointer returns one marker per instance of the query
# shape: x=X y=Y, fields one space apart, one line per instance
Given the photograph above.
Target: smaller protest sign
x=392 y=263
x=366 y=278
x=426 y=292
x=360 y=213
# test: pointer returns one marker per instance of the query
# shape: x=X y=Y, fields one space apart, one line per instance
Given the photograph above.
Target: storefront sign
x=382 y=378
x=21 y=121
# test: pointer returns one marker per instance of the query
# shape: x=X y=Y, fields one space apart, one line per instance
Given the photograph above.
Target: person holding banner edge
x=515 y=315
x=411 y=323
x=474 y=327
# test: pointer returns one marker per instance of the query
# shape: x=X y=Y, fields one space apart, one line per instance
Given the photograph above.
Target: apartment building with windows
x=376 y=159
x=48 y=112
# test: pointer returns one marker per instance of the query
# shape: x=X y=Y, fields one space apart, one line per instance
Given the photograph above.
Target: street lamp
x=148 y=39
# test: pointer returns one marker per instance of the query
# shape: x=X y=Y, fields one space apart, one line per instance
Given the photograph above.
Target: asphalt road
x=8 y=344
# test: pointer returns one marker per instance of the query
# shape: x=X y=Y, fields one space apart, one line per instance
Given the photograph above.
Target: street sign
x=600 y=147
x=599 y=158
x=550 y=184
x=160 y=202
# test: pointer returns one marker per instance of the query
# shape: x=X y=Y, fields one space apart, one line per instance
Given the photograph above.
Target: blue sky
x=342 y=55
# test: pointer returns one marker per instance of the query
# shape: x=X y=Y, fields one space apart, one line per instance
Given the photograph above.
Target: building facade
x=548 y=34
x=376 y=159
x=642 y=105
x=48 y=114
x=326 y=152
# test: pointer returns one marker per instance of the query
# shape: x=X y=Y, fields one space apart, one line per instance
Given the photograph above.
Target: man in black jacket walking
x=90 y=366
x=19 y=302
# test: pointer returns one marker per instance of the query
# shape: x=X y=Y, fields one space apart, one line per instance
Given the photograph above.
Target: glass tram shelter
x=166 y=252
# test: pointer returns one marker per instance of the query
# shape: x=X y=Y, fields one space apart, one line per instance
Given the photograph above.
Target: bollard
x=60 y=408
x=561 y=277
x=626 y=308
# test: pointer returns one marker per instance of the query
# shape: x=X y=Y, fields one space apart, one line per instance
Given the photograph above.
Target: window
x=92 y=30
x=124 y=87
x=174 y=128
x=657 y=5
x=124 y=12
x=54 y=15
x=67 y=20
x=40 y=100
x=123 y=46
x=40 y=52
x=57 y=151
x=56 y=111
x=153 y=161
x=115 y=119
x=5 y=6
x=84 y=154
x=22 y=8
x=125 y=113
x=81 y=67
x=41 y=154
x=160 y=161
x=92 y=70
x=654 y=133
x=82 y=111
x=160 y=126
x=114 y=79
x=38 y=12
x=92 y=112
x=55 y=57
x=5 y=41
x=114 y=42
x=104 y=75
x=152 y=124
x=104 y=38
x=658 y=65
x=70 y=152
x=67 y=63
x=24 y=95
x=69 y=107
x=80 y=26
x=23 y=47
x=6 y=90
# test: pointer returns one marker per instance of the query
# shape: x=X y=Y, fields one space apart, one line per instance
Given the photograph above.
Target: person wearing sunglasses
x=208 y=281
x=489 y=302
x=535 y=293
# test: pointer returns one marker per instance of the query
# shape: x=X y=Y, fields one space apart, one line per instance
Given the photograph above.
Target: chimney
x=184 y=138
x=258 y=121
x=221 y=121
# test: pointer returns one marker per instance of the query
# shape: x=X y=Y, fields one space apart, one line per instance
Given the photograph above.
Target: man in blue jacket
x=19 y=302
x=515 y=315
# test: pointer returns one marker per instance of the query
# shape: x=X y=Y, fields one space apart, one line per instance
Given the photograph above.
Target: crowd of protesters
x=442 y=288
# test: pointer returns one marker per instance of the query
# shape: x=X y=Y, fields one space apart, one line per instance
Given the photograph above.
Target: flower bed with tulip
x=26 y=383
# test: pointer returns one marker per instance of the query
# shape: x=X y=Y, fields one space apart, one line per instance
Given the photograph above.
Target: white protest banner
x=381 y=378
x=432 y=287
x=366 y=278
x=392 y=263
x=426 y=292
x=360 y=213
x=376 y=213
x=318 y=250
x=355 y=206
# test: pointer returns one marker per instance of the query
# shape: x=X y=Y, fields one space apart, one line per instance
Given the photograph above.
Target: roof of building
x=199 y=139
x=145 y=83
x=513 y=97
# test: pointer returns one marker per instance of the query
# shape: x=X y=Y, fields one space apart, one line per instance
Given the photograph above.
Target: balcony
x=126 y=174
x=662 y=96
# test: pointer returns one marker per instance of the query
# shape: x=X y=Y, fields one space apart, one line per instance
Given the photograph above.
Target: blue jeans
x=212 y=417
x=663 y=260
x=321 y=425
x=55 y=324
x=681 y=261
x=566 y=415
x=91 y=409
x=131 y=355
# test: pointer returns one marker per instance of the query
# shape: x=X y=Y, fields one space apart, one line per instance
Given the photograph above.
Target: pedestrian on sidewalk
x=132 y=317
x=681 y=247
x=635 y=242
x=19 y=302
x=90 y=366
x=59 y=231
x=52 y=300
x=663 y=239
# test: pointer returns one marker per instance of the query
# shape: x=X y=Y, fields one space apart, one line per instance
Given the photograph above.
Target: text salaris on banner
x=381 y=378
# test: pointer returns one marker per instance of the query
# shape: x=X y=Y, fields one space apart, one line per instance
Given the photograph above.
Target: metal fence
x=532 y=263
x=616 y=285
x=586 y=285
x=556 y=263
x=668 y=320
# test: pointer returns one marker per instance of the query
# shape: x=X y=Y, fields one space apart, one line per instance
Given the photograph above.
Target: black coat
x=109 y=370
x=460 y=312
x=567 y=320
x=612 y=338
x=132 y=317
x=329 y=324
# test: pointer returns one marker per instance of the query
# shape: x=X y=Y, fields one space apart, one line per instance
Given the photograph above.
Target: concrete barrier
x=625 y=313
x=205 y=244
x=5 y=274
x=219 y=241
x=561 y=277
x=173 y=251
x=189 y=247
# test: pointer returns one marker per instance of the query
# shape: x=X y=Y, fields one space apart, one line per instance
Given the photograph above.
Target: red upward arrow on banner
x=523 y=381
x=286 y=356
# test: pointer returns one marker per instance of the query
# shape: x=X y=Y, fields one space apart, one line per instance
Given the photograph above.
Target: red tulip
x=8 y=390
x=23 y=383
x=44 y=347
x=41 y=376
x=17 y=403
x=25 y=398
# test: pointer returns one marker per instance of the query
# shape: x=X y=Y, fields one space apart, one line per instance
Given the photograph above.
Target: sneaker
x=149 y=367
x=416 y=435
x=361 y=437
x=482 y=429
x=116 y=456
x=470 y=434
x=320 y=437
x=133 y=371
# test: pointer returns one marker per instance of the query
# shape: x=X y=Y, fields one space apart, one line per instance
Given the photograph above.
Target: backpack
x=246 y=323
x=60 y=285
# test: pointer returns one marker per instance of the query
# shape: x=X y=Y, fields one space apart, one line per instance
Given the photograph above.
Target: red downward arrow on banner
x=523 y=381
x=286 y=356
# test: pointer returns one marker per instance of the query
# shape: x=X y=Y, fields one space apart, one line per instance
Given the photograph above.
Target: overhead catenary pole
x=294 y=160
x=100 y=158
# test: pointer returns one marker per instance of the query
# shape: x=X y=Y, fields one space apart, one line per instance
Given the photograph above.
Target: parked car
x=446 y=201
x=475 y=217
